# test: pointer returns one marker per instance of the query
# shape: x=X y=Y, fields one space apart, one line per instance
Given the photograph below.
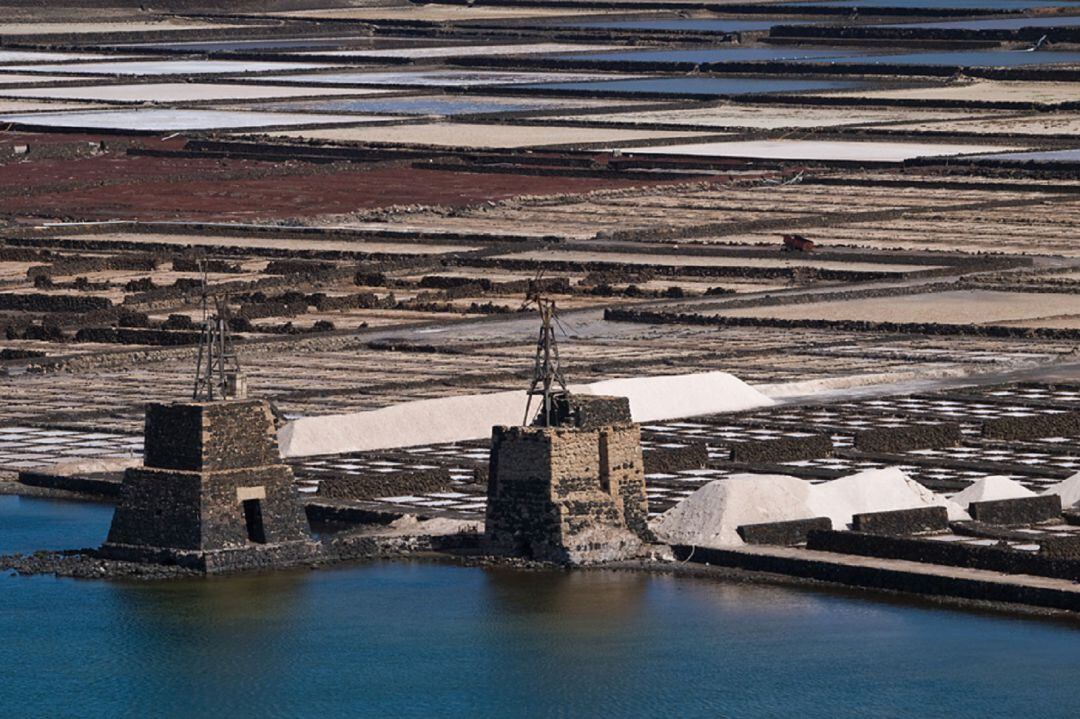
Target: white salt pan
x=172 y=120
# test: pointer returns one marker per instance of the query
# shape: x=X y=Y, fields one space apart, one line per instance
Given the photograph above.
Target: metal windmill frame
x=547 y=380
x=217 y=366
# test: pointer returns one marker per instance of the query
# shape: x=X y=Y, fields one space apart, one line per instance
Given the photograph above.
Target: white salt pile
x=991 y=488
x=426 y=421
x=456 y=419
x=710 y=516
x=683 y=395
x=1068 y=490
x=875 y=490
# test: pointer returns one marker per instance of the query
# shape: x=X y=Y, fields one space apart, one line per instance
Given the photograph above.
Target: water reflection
x=594 y=598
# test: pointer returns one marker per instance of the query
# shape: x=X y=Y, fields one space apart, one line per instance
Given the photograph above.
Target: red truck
x=797 y=243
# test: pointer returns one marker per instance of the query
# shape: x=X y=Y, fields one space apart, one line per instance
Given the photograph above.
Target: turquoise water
x=432 y=640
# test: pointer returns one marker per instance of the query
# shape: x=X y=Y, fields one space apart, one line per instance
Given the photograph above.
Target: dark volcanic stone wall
x=385 y=485
x=1065 y=424
x=785 y=534
x=885 y=577
x=213 y=493
x=198 y=512
x=953 y=554
x=210 y=436
x=53 y=303
x=892 y=440
x=902 y=521
x=675 y=459
x=592 y=411
x=1015 y=512
x=782 y=449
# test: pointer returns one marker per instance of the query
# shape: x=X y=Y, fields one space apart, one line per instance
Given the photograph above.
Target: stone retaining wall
x=785 y=534
x=385 y=485
x=924 y=328
x=666 y=460
x=1064 y=424
x=953 y=554
x=886 y=578
x=1017 y=512
x=893 y=440
x=902 y=521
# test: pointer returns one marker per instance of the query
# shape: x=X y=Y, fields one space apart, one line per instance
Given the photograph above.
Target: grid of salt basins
x=1034 y=461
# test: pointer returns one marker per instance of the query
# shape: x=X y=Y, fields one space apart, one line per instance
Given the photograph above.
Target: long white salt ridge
x=456 y=419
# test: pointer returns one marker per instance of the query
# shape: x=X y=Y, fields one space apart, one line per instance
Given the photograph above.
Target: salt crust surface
x=159 y=92
x=711 y=516
x=455 y=419
x=814 y=150
x=170 y=120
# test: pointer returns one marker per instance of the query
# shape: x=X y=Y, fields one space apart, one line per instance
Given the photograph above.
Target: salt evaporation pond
x=447 y=106
x=168 y=67
x=994 y=24
x=939 y=5
x=698 y=86
x=421 y=640
x=690 y=25
x=1070 y=156
x=976 y=58
x=437 y=78
x=245 y=45
x=704 y=55
x=172 y=120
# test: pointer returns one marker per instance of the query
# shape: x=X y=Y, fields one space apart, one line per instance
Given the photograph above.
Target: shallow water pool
x=414 y=639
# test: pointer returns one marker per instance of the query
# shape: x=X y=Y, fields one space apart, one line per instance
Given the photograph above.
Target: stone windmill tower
x=212 y=494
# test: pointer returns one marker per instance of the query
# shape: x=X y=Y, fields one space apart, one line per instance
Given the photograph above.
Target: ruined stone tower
x=572 y=493
x=212 y=493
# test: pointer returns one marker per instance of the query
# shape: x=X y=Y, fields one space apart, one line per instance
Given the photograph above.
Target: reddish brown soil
x=118 y=186
x=35 y=176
